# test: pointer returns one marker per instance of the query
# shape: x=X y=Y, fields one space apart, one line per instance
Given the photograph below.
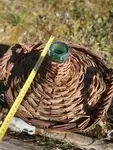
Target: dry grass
x=86 y=22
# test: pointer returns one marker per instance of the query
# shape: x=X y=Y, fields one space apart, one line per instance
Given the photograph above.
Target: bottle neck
x=58 y=52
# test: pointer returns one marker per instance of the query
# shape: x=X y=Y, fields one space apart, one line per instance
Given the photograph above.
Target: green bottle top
x=58 y=52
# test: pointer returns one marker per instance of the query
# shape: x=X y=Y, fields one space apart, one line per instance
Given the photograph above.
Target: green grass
x=86 y=22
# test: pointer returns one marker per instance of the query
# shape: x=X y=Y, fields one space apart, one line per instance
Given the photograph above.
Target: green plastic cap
x=58 y=52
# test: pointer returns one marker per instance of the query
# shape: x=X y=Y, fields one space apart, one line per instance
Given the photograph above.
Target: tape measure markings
x=24 y=90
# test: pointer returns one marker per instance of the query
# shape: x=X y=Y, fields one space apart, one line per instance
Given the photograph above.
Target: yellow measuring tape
x=23 y=91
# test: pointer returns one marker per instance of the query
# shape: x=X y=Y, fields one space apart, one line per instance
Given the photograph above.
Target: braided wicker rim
x=70 y=96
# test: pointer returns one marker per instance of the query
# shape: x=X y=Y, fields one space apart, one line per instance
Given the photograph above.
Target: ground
x=86 y=22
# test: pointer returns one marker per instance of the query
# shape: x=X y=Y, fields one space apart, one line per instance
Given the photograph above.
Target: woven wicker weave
x=68 y=96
